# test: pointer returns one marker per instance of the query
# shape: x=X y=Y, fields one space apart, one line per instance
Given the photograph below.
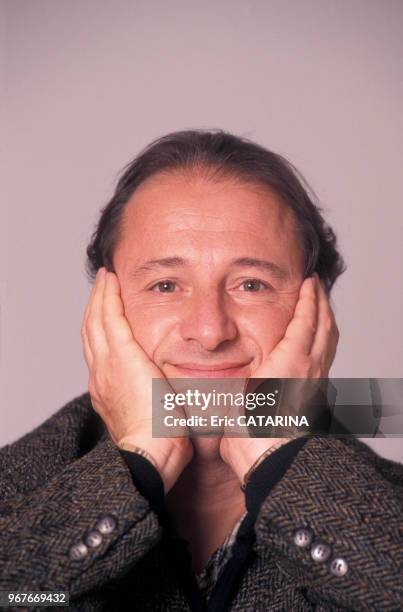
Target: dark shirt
x=214 y=588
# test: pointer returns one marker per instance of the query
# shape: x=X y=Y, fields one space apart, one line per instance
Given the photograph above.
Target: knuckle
x=311 y=327
x=317 y=371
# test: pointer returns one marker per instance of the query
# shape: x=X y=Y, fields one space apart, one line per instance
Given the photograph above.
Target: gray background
x=86 y=84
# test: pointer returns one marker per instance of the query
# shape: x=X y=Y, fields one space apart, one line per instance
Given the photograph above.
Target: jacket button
x=303 y=537
x=320 y=552
x=339 y=567
x=93 y=538
x=78 y=551
x=106 y=524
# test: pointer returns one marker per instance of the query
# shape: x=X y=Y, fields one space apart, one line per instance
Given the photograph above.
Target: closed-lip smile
x=219 y=370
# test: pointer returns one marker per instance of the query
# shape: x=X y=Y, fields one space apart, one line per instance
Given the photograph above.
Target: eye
x=253 y=285
x=164 y=287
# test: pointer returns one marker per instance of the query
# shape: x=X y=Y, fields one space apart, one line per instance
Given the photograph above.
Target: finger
x=117 y=329
x=326 y=337
x=302 y=327
x=94 y=327
x=89 y=358
x=87 y=308
x=84 y=336
x=88 y=354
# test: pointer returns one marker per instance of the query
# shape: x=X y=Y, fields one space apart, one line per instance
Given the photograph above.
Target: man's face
x=209 y=272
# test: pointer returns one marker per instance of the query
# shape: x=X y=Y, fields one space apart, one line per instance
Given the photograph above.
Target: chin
x=206 y=448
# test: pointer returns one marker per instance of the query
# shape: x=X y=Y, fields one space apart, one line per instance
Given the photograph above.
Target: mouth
x=221 y=370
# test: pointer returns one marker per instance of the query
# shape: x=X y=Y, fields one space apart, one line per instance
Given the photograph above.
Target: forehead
x=224 y=216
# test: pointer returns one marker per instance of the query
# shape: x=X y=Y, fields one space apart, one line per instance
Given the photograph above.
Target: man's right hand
x=120 y=380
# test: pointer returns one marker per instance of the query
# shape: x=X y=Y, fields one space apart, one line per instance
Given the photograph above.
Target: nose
x=208 y=321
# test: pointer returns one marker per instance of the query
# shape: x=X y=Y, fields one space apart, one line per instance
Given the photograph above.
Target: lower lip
x=227 y=373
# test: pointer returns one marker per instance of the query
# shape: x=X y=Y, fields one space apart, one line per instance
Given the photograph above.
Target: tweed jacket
x=60 y=480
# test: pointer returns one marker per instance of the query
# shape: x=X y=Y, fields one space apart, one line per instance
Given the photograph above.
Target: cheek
x=149 y=328
x=267 y=326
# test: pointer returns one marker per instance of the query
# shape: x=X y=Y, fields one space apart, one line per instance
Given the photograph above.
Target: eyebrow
x=165 y=262
x=262 y=264
x=244 y=262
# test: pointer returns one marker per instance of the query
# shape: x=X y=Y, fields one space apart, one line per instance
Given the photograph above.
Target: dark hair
x=223 y=154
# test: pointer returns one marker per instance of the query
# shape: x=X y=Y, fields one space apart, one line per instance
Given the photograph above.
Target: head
x=211 y=236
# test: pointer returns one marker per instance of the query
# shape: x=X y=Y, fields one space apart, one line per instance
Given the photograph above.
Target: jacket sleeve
x=83 y=524
x=335 y=525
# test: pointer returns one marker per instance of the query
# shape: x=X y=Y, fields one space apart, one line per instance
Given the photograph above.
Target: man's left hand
x=306 y=351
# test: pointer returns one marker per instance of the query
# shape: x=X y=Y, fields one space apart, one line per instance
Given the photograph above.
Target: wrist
x=169 y=456
x=250 y=453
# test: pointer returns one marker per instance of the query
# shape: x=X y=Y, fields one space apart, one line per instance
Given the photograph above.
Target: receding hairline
x=285 y=211
x=210 y=173
x=215 y=175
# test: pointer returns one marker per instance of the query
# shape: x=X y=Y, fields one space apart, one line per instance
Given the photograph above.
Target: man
x=211 y=261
